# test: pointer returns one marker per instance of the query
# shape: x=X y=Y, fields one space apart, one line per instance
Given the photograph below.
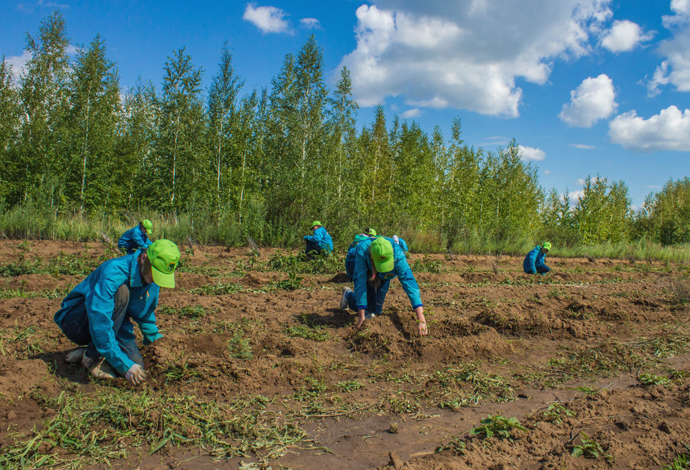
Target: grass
x=316 y=333
x=95 y=428
x=467 y=385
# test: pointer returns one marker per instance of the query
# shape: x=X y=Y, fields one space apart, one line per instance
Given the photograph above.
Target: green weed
x=239 y=348
x=651 y=379
x=317 y=333
x=556 y=412
x=497 y=426
x=589 y=449
x=349 y=386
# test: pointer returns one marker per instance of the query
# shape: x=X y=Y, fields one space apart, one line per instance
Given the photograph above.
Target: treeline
x=267 y=162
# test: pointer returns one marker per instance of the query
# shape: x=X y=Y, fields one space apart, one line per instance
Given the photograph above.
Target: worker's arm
x=147 y=320
x=99 y=306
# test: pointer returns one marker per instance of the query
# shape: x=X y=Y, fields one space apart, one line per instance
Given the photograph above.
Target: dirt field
x=259 y=368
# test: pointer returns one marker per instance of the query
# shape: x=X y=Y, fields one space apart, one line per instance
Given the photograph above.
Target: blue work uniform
x=350 y=258
x=321 y=240
x=369 y=297
x=133 y=240
x=94 y=301
x=402 y=243
x=534 y=262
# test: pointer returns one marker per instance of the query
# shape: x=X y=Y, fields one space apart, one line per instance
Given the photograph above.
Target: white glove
x=135 y=374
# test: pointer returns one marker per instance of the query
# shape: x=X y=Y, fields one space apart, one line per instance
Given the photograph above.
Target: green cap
x=382 y=253
x=147 y=225
x=316 y=222
x=164 y=256
x=370 y=231
x=546 y=246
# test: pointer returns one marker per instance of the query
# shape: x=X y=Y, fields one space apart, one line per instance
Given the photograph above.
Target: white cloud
x=583 y=146
x=547 y=172
x=625 y=36
x=531 y=153
x=675 y=68
x=580 y=181
x=593 y=100
x=466 y=54
x=18 y=63
x=310 y=23
x=668 y=130
x=267 y=19
x=412 y=113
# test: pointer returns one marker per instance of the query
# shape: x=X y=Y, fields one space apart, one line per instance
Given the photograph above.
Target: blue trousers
x=541 y=269
x=376 y=295
x=75 y=325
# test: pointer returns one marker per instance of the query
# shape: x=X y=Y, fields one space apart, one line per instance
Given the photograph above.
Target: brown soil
x=585 y=324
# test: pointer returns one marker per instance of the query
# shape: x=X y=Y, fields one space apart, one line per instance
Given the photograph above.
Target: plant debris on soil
x=587 y=367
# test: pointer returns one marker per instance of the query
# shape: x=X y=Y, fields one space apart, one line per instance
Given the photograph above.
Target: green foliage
x=349 y=386
x=455 y=446
x=317 y=333
x=149 y=420
x=239 y=348
x=221 y=167
x=427 y=265
x=589 y=449
x=681 y=462
x=556 y=412
x=651 y=379
x=499 y=426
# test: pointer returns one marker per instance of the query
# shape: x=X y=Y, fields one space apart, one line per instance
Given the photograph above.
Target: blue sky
x=586 y=86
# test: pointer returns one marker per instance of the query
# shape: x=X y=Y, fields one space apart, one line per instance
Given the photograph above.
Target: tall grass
x=34 y=222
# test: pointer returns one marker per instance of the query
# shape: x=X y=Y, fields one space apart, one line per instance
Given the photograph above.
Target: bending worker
x=401 y=242
x=377 y=261
x=97 y=314
x=136 y=238
x=350 y=258
x=320 y=241
x=534 y=261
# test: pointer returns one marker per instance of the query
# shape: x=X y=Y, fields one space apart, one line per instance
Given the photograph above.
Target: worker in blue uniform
x=377 y=261
x=350 y=258
x=97 y=314
x=136 y=238
x=534 y=261
x=319 y=242
x=401 y=243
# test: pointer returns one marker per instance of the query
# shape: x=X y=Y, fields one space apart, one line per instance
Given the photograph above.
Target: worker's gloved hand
x=135 y=374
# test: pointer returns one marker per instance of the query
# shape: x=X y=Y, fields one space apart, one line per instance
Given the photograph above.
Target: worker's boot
x=75 y=356
x=99 y=368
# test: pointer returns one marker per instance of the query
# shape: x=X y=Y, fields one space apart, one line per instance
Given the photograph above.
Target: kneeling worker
x=534 y=261
x=320 y=241
x=136 y=238
x=377 y=261
x=97 y=313
x=350 y=258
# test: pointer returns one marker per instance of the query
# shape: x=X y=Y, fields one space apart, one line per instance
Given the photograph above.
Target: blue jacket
x=134 y=239
x=98 y=290
x=403 y=245
x=401 y=270
x=350 y=258
x=533 y=259
x=321 y=238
